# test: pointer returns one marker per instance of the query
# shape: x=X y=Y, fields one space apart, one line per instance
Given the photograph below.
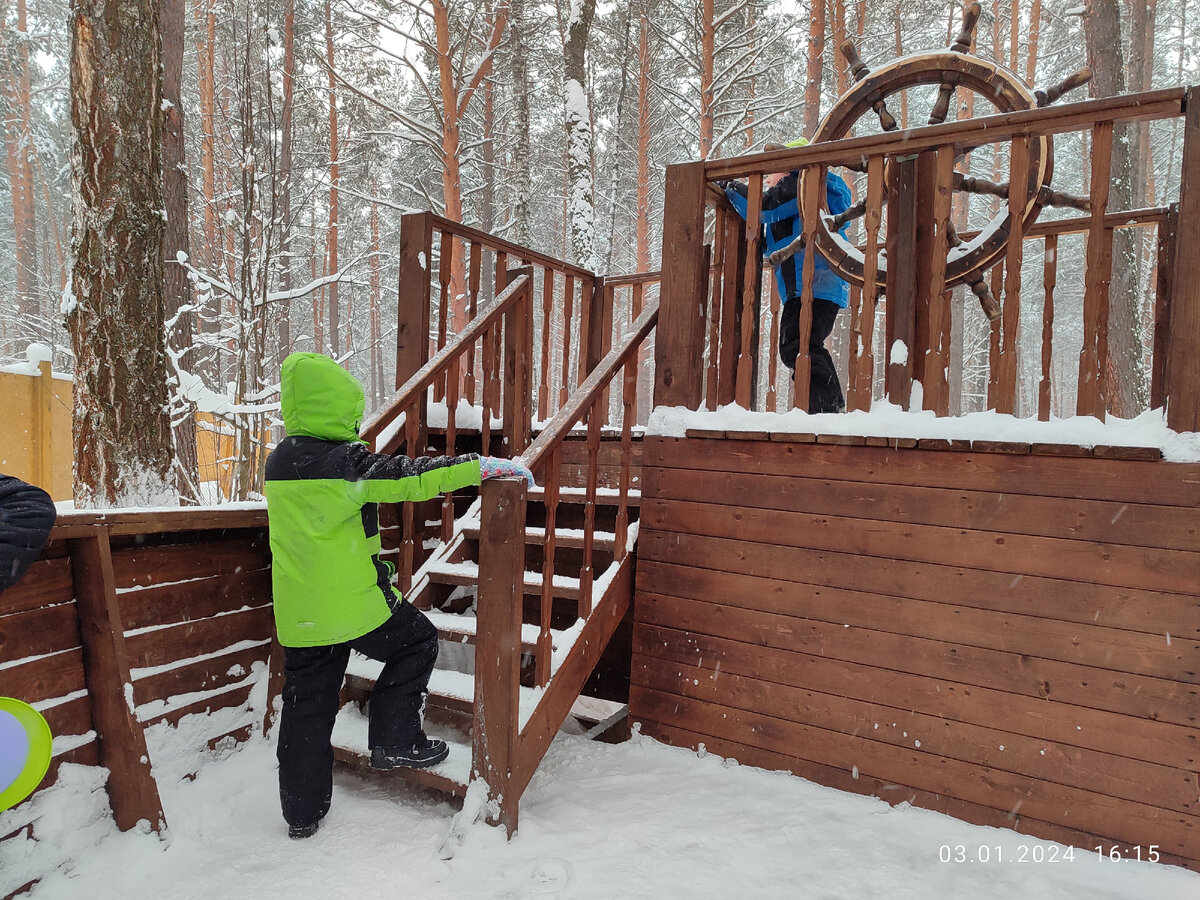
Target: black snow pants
x=825 y=391
x=407 y=645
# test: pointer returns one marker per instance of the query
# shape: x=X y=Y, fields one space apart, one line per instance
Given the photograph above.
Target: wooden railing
x=707 y=257
x=507 y=752
x=128 y=619
x=449 y=272
x=501 y=340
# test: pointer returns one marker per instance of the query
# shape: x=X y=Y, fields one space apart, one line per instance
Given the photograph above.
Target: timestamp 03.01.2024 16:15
x=1040 y=853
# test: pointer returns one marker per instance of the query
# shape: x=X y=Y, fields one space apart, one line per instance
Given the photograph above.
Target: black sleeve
x=783 y=192
x=26 y=516
x=363 y=465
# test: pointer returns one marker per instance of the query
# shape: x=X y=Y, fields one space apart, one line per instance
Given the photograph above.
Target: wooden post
x=864 y=380
x=1183 y=375
x=498 y=642
x=901 y=280
x=935 y=174
x=1093 y=355
x=679 y=339
x=733 y=270
x=131 y=786
x=43 y=421
x=1010 y=321
x=412 y=313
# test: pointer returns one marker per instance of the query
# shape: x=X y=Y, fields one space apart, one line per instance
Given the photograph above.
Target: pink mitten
x=495 y=467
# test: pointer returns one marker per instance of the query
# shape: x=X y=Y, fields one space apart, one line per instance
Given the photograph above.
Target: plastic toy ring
x=25 y=751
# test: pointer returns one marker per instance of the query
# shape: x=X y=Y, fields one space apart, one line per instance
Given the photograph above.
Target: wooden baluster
x=1010 y=315
x=544 y=378
x=1165 y=263
x=1049 y=277
x=451 y=441
x=408 y=525
x=715 y=300
x=500 y=274
x=864 y=315
x=564 y=386
x=728 y=354
x=607 y=318
x=745 y=363
x=445 y=264
x=473 y=301
x=589 y=510
x=629 y=402
x=810 y=208
x=485 y=392
x=932 y=275
x=993 y=393
x=541 y=663
x=1093 y=356
x=773 y=350
x=587 y=302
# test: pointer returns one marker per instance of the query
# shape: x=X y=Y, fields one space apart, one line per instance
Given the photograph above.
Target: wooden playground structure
x=1006 y=632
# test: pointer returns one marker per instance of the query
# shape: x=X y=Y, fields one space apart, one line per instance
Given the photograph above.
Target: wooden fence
x=714 y=298
x=1002 y=633
x=132 y=618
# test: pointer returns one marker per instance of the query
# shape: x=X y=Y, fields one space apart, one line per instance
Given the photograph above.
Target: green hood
x=320 y=399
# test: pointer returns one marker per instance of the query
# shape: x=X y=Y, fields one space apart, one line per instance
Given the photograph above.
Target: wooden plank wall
x=1009 y=637
x=192 y=616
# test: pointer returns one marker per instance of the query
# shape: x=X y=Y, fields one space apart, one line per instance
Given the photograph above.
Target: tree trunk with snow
x=522 y=153
x=18 y=141
x=122 y=431
x=581 y=208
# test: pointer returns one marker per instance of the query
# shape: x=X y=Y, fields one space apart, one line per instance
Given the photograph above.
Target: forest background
x=295 y=134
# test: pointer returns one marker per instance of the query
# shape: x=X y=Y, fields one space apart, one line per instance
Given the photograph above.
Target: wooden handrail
x=1159 y=104
x=428 y=373
x=466 y=232
x=588 y=392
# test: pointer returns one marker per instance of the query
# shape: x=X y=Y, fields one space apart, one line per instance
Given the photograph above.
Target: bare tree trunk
x=376 y=301
x=206 y=62
x=708 y=41
x=122 y=431
x=285 y=177
x=581 y=209
x=334 y=175
x=645 y=61
x=1127 y=387
x=816 y=65
x=451 y=148
x=178 y=289
x=1035 y=28
x=18 y=140
x=521 y=150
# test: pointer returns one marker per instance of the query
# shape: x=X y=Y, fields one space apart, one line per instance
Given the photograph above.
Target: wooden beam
x=498 y=643
x=131 y=786
x=1091 y=400
x=412 y=325
x=1183 y=375
x=901 y=279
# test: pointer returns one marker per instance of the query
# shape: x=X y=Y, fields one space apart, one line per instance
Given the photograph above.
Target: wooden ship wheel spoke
x=950 y=70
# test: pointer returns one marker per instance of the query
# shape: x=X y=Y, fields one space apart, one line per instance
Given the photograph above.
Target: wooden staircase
x=534 y=580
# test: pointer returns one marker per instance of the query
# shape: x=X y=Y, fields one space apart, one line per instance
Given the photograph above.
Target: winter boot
x=425 y=752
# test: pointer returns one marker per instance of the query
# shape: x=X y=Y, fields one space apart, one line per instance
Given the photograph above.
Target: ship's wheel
x=952 y=70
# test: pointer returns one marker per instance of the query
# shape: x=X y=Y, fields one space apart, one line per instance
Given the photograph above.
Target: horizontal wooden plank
x=39 y=631
x=159 y=646
x=45 y=582
x=190 y=600
x=44 y=677
x=1172 y=746
x=197 y=518
x=234 y=697
x=1134 y=695
x=1121 y=820
x=201 y=675
x=70 y=717
x=1132 y=524
x=1128 y=481
x=1086 y=561
x=989 y=745
x=884 y=790
x=1083 y=644
x=1152 y=612
x=141 y=566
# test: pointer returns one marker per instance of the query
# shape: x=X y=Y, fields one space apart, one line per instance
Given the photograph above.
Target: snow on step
x=465 y=625
x=350 y=733
x=471 y=570
x=444 y=683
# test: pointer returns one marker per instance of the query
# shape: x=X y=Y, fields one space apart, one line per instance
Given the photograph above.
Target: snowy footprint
x=549 y=877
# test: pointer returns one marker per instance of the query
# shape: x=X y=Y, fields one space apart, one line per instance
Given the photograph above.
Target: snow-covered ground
x=635 y=820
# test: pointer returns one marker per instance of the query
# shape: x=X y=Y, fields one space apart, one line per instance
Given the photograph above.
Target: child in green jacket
x=332 y=593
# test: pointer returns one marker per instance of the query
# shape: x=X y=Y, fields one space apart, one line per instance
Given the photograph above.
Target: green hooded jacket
x=323 y=486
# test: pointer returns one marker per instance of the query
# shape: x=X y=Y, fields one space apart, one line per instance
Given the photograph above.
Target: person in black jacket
x=26 y=516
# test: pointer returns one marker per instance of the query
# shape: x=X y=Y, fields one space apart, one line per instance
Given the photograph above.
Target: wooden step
x=450 y=776
x=460 y=629
x=467 y=574
x=563 y=537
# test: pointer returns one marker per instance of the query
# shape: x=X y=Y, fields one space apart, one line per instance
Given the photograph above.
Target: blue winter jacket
x=781 y=221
